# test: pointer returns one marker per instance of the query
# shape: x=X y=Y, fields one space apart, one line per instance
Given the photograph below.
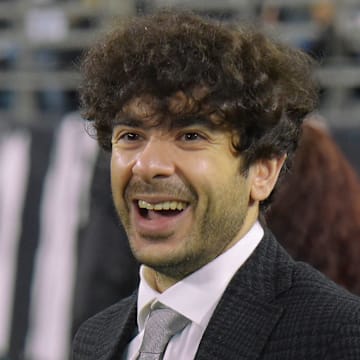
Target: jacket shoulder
x=106 y=331
x=320 y=315
x=312 y=287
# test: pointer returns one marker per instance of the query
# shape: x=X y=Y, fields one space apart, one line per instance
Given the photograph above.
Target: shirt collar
x=197 y=295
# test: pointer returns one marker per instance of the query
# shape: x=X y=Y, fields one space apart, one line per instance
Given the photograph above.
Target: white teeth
x=166 y=205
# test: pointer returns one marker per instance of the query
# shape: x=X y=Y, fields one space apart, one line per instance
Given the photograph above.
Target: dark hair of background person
x=315 y=214
x=234 y=77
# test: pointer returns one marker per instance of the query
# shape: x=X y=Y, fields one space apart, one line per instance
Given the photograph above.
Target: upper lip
x=154 y=199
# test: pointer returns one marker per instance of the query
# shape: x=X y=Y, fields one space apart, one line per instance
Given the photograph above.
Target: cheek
x=213 y=181
x=201 y=166
x=120 y=169
x=218 y=172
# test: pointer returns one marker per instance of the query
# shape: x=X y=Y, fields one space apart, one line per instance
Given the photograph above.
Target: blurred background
x=53 y=185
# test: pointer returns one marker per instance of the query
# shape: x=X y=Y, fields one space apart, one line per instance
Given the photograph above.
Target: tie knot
x=167 y=320
x=162 y=324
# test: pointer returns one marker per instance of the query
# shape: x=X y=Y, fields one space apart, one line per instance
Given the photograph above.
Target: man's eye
x=192 y=136
x=130 y=137
x=126 y=138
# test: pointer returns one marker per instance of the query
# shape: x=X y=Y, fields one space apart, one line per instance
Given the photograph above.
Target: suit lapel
x=117 y=331
x=246 y=314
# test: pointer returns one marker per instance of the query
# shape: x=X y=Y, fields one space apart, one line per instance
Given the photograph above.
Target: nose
x=156 y=160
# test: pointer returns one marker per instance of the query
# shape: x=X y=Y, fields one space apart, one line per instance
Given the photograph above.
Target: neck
x=158 y=281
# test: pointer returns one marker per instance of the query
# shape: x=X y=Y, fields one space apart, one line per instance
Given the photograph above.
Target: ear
x=264 y=174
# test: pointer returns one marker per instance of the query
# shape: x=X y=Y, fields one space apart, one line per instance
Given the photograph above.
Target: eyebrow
x=176 y=123
x=127 y=121
x=192 y=120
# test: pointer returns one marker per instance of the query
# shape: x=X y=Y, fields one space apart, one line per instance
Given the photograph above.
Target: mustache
x=165 y=187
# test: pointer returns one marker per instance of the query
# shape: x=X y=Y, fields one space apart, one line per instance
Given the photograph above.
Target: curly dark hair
x=256 y=86
x=315 y=214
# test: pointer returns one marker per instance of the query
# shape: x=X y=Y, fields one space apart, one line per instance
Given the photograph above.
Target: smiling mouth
x=165 y=208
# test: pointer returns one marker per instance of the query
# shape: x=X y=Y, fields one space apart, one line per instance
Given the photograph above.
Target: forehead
x=179 y=109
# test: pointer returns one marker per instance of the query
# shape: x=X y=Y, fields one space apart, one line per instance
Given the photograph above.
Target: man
x=200 y=119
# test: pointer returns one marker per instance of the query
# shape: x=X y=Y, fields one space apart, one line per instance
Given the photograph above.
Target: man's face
x=179 y=190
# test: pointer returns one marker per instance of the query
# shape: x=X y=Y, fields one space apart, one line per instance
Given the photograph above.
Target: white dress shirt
x=195 y=297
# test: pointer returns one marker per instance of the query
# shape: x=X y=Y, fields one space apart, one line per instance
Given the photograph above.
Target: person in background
x=107 y=270
x=315 y=214
x=200 y=118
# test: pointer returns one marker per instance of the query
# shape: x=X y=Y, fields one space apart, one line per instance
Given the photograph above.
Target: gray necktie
x=163 y=323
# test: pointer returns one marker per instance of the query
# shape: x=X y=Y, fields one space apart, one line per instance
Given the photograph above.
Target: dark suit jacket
x=273 y=309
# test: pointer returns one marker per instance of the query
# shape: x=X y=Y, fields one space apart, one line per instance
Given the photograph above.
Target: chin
x=177 y=267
